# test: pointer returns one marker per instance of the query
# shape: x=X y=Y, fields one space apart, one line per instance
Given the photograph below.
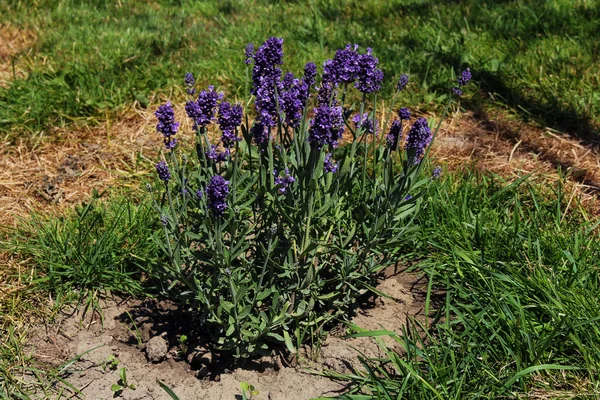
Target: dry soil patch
x=276 y=378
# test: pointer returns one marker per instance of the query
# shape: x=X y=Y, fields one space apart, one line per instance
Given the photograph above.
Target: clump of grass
x=101 y=247
x=518 y=309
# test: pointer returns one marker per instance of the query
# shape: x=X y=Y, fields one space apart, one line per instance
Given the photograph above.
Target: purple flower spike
x=437 y=172
x=310 y=73
x=344 y=66
x=266 y=80
x=217 y=156
x=402 y=82
x=163 y=171
x=283 y=182
x=166 y=120
x=202 y=111
x=249 y=53
x=404 y=114
x=393 y=137
x=170 y=144
x=260 y=133
x=199 y=193
x=418 y=139
x=327 y=95
x=326 y=127
x=216 y=193
x=329 y=165
x=190 y=82
x=293 y=99
x=229 y=119
x=368 y=125
x=369 y=76
x=465 y=77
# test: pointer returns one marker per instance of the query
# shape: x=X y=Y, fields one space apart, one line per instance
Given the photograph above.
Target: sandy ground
x=276 y=378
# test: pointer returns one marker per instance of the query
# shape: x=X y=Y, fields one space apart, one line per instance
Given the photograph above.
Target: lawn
x=255 y=250
x=94 y=58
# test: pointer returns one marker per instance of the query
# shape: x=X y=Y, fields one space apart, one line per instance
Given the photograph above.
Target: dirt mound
x=130 y=327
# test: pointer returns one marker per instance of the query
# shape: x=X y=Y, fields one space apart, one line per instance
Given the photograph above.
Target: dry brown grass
x=513 y=149
x=13 y=42
x=52 y=176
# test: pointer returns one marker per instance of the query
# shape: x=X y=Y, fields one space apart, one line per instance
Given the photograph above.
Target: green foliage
x=122 y=383
x=101 y=247
x=248 y=391
x=284 y=261
x=516 y=287
x=537 y=57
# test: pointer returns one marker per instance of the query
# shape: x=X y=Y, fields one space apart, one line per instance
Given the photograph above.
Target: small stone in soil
x=156 y=349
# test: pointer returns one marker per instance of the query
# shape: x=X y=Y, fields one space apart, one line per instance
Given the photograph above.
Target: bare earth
x=75 y=335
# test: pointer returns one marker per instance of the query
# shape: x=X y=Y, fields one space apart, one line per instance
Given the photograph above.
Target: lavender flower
x=266 y=79
x=190 y=82
x=393 y=137
x=260 y=133
x=344 y=66
x=368 y=125
x=266 y=58
x=402 y=82
x=283 y=182
x=418 y=139
x=202 y=111
x=199 y=193
x=170 y=144
x=288 y=81
x=326 y=127
x=166 y=122
x=163 y=171
x=217 y=156
x=310 y=73
x=216 y=193
x=266 y=102
x=408 y=197
x=437 y=172
x=249 y=53
x=404 y=113
x=329 y=165
x=464 y=77
x=326 y=95
x=369 y=76
x=229 y=119
x=293 y=99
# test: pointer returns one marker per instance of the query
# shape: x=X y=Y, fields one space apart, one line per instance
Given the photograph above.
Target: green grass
x=102 y=247
x=93 y=58
x=514 y=290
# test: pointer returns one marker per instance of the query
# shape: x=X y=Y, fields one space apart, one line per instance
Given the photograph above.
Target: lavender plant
x=275 y=230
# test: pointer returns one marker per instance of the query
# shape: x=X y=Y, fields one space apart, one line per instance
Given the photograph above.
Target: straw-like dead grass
x=13 y=41
x=51 y=176
x=513 y=149
x=54 y=174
